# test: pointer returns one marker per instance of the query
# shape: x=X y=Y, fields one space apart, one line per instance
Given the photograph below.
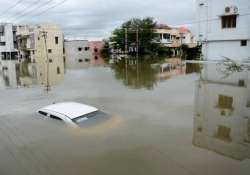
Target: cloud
x=97 y=18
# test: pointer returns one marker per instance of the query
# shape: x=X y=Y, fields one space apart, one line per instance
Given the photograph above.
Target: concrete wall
x=8 y=66
x=219 y=42
x=75 y=58
x=38 y=65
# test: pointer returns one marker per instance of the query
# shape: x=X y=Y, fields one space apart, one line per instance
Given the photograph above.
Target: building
x=8 y=51
x=224 y=28
x=40 y=54
x=174 y=37
x=222 y=119
x=95 y=49
x=222 y=99
x=78 y=54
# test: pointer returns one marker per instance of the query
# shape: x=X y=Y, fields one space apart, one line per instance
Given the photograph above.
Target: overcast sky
x=95 y=19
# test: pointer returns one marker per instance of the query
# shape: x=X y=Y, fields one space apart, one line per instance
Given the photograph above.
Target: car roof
x=70 y=109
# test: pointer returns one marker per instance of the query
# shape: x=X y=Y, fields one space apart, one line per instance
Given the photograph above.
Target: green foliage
x=138 y=75
x=190 y=53
x=147 y=36
x=164 y=51
x=105 y=52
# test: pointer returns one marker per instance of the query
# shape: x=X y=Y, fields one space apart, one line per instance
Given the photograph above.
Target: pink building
x=95 y=49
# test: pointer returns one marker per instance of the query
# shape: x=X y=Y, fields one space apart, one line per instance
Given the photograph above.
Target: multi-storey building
x=222 y=100
x=40 y=54
x=8 y=52
x=77 y=54
x=174 y=37
x=224 y=28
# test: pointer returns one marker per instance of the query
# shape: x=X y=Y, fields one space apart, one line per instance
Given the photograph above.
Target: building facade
x=95 y=49
x=8 y=51
x=40 y=54
x=78 y=54
x=222 y=99
x=174 y=37
x=224 y=28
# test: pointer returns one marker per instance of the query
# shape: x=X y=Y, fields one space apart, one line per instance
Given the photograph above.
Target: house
x=174 y=37
x=223 y=28
x=8 y=52
x=222 y=99
x=40 y=54
x=78 y=54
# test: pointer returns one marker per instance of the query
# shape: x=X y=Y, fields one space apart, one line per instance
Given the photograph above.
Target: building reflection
x=145 y=73
x=222 y=113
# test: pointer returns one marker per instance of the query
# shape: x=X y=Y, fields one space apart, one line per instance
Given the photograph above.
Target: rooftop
x=70 y=109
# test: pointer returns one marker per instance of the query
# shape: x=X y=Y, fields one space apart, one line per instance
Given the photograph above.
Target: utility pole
x=137 y=42
x=44 y=35
x=126 y=40
x=137 y=54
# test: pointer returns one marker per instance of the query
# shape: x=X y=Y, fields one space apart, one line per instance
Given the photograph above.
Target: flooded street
x=151 y=130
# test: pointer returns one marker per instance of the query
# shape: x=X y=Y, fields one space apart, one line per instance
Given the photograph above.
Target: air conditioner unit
x=227 y=10
x=231 y=10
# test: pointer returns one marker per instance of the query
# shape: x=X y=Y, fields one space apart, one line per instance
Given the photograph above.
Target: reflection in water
x=145 y=73
x=152 y=136
x=222 y=113
x=26 y=74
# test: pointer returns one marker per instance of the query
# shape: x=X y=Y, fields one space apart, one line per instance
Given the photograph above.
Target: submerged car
x=73 y=114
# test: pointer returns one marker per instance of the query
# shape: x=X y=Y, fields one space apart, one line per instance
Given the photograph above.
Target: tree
x=105 y=50
x=146 y=35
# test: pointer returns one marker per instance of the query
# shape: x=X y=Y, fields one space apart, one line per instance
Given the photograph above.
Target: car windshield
x=92 y=117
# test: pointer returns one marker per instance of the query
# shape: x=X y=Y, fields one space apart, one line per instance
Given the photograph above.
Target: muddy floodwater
x=151 y=131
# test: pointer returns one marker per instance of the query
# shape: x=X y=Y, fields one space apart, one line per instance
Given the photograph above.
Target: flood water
x=160 y=124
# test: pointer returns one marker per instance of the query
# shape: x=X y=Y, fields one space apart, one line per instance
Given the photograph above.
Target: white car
x=74 y=114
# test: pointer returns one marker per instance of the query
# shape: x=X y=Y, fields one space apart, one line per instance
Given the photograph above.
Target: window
x=166 y=36
x=80 y=60
x=79 y=49
x=56 y=39
x=38 y=38
x=86 y=48
x=87 y=60
x=223 y=133
x=96 y=57
x=2 y=43
x=50 y=60
x=43 y=113
x=95 y=49
x=50 y=50
x=243 y=42
x=55 y=117
x=225 y=102
x=97 y=114
x=228 y=21
x=58 y=70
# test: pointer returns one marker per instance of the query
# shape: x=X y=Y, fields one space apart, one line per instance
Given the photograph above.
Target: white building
x=77 y=54
x=40 y=54
x=224 y=28
x=8 y=51
x=222 y=103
